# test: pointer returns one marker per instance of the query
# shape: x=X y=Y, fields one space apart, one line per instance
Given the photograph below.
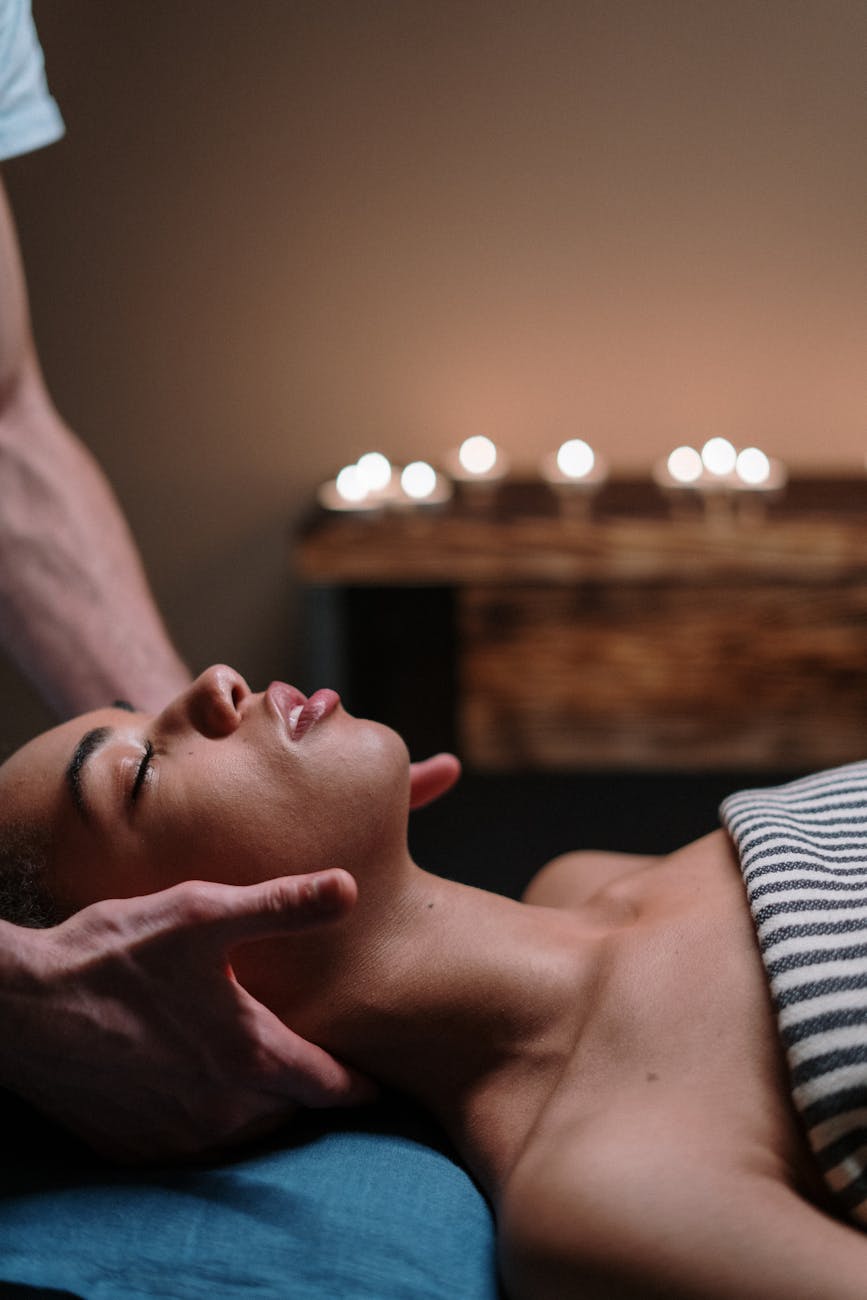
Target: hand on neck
x=461 y=998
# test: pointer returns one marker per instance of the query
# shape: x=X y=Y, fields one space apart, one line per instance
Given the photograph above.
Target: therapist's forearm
x=76 y=612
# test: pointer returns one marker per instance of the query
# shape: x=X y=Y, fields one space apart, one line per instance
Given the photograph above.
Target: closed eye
x=142 y=771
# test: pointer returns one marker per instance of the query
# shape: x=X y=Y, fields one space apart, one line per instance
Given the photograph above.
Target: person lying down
x=607 y=1056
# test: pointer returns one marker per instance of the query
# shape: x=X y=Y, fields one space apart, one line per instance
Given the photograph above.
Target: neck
x=468 y=1001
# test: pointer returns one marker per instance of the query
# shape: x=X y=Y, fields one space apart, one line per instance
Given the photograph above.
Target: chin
x=383 y=757
x=380 y=766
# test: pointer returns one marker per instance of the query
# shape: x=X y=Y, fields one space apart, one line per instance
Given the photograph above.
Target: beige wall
x=278 y=233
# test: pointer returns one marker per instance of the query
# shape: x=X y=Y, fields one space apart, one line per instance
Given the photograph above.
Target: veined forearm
x=76 y=612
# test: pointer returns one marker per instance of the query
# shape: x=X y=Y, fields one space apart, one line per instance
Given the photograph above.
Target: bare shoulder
x=571 y=879
x=619 y=1214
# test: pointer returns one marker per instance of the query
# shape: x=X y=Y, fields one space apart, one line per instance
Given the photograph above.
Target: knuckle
x=104 y=924
x=282 y=895
x=197 y=902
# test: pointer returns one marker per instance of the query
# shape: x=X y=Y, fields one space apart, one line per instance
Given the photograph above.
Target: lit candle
x=374 y=470
x=756 y=473
x=479 y=466
x=350 y=485
x=753 y=467
x=576 y=473
x=478 y=456
x=685 y=466
x=478 y=459
x=707 y=476
x=760 y=478
x=720 y=477
x=680 y=472
x=421 y=485
x=719 y=457
x=418 y=480
x=347 y=492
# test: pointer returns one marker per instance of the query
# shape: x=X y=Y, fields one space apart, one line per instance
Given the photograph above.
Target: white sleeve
x=29 y=117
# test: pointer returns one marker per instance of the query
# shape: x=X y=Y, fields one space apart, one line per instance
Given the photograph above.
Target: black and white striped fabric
x=803 y=852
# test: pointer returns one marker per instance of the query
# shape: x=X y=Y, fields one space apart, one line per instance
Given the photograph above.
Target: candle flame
x=685 y=465
x=718 y=456
x=753 y=467
x=478 y=455
x=575 y=458
x=350 y=485
x=374 y=470
x=418 y=480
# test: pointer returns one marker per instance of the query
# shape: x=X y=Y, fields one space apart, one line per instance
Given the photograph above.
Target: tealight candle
x=479 y=466
x=576 y=459
x=759 y=478
x=720 y=477
x=678 y=475
x=350 y=485
x=576 y=473
x=753 y=467
x=421 y=485
x=347 y=492
x=477 y=455
x=687 y=475
x=719 y=457
x=374 y=470
x=685 y=465
x=418 y=480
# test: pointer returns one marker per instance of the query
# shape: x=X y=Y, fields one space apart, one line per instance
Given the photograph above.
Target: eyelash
x=142 y=772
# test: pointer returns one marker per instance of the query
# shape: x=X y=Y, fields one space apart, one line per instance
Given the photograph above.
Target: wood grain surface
x=634 y=636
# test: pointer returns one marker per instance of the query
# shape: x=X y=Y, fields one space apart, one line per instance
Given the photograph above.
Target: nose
x=211 y=705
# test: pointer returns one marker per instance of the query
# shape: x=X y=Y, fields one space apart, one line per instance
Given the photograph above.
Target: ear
x=431 y=778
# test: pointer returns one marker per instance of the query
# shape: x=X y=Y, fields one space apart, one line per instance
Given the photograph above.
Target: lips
x=297 y=711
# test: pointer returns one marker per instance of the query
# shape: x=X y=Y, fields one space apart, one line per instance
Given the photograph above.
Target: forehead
x=32 y=781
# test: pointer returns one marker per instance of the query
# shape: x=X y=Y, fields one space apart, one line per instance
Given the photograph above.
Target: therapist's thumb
x=228 y=914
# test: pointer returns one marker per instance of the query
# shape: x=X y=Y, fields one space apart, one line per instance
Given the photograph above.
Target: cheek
x=205 y=840
x=343 y=798
x=81 y=874
x=365 y=802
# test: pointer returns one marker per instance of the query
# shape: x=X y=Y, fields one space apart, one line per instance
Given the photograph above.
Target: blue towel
x=360 y=1205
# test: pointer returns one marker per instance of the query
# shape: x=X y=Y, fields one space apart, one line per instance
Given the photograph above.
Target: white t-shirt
x=29 y=117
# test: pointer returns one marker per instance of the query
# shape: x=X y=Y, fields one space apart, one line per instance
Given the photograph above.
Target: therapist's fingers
x=432 y=777
x=289 y=1067
x=220 y=916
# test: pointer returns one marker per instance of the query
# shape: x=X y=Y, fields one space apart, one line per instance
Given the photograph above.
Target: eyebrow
x=89 y=743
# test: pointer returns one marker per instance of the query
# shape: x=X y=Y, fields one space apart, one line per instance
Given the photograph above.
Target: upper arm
x=569 y=880
x=679 y=1224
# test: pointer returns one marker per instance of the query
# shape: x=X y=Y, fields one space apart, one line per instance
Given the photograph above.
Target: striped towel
x=803 y=853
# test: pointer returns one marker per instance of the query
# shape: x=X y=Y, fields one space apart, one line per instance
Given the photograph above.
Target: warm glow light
x=418 y=480
x=478 y=455
x=350 y=485
x=685 y=465
x=374 y=470
x=753 y=467
x=718 y=456
x=575 y=458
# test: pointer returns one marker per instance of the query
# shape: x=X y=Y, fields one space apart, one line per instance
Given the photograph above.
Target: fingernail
x=321 y=896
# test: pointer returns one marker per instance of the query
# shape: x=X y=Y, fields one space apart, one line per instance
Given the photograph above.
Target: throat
x=469 y=1002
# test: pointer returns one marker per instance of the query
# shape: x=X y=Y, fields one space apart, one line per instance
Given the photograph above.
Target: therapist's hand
x=126 y=1024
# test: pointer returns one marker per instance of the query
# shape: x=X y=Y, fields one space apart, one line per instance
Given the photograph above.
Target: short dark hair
x=25 y=894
